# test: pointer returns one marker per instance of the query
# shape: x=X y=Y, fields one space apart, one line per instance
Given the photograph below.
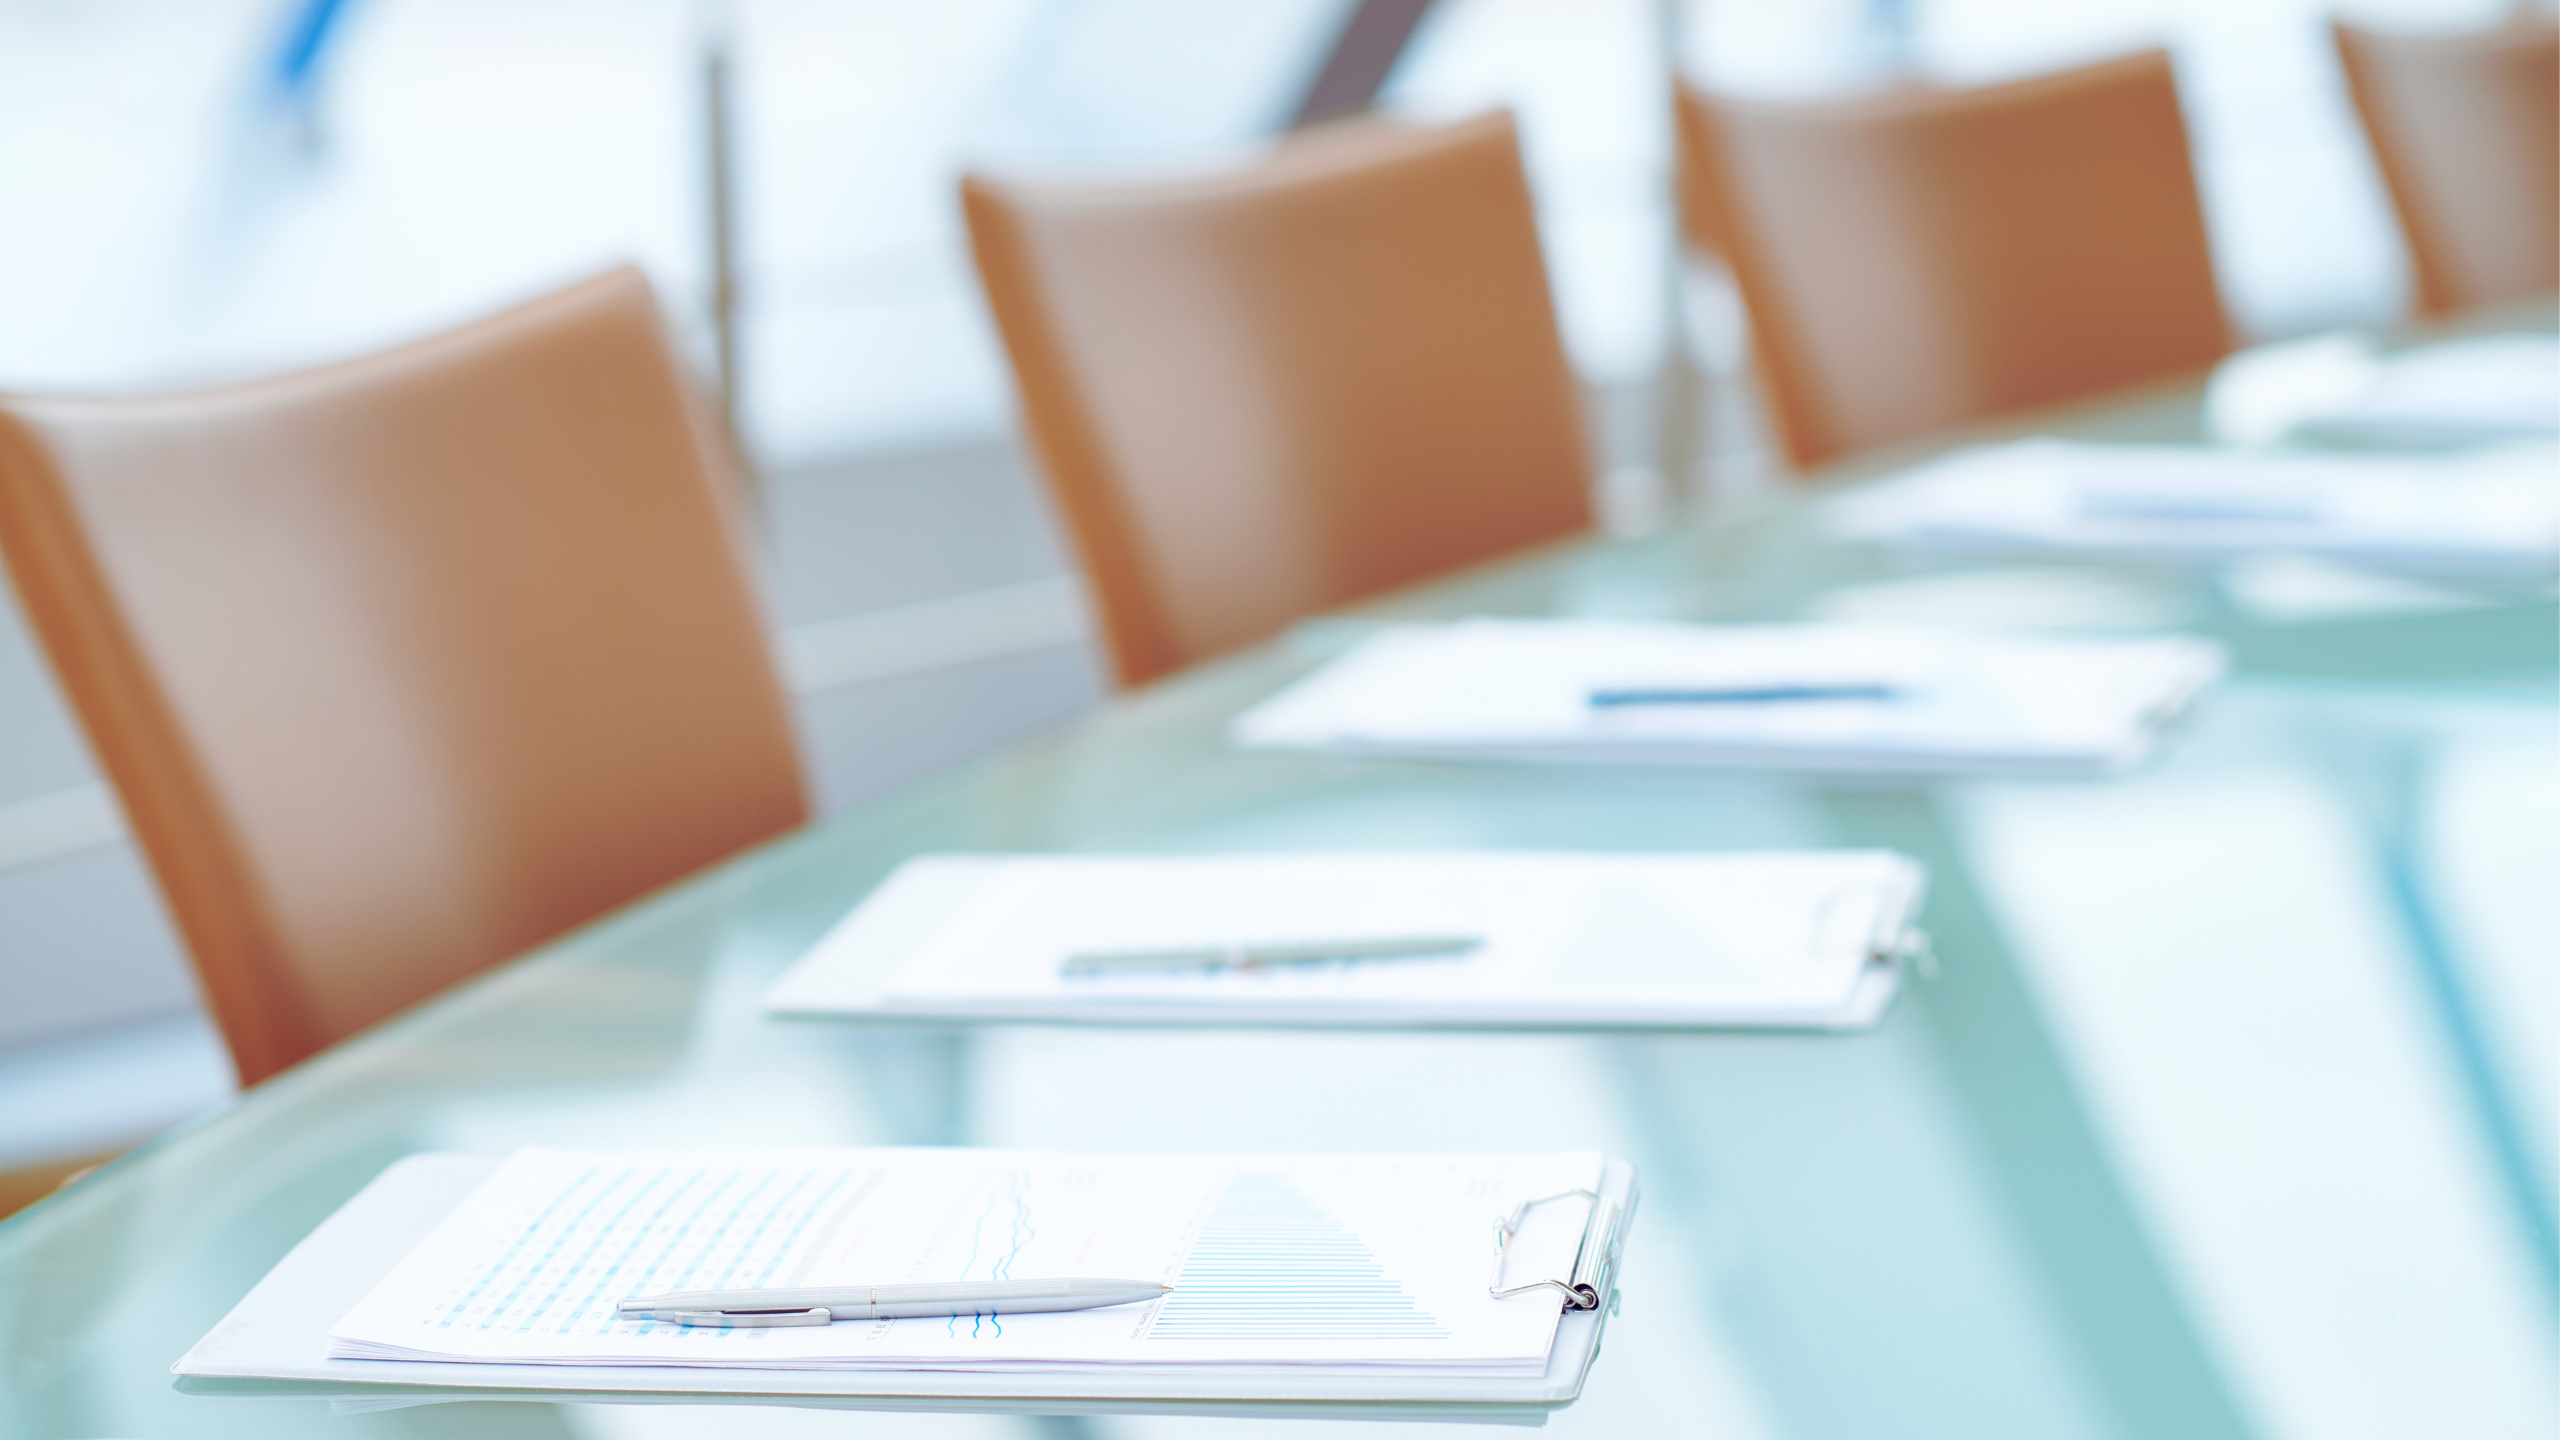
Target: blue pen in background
x=1739 y=694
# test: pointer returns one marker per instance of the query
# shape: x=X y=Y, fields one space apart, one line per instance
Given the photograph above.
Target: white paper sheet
x=2341 y=388
x=1522 y=689
x=1784 y=938
x=2491 y=511
x=2485 y=387
x=276 y=1341
x=1308 y=1264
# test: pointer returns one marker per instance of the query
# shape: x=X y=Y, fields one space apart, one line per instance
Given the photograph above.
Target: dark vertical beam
x=1679 y=432
x=1364 y=54
x=720 y=201
x=715 y=48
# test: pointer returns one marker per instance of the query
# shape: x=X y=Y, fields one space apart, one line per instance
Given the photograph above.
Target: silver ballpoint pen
x=826 y=1304
x=1250 y=957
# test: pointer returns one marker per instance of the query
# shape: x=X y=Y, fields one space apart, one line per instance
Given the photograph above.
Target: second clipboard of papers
x=2493 y=512
x=1306 y=1266
x=1557 y=939
x=1828 y=697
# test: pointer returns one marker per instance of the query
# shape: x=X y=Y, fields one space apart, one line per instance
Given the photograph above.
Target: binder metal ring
x=1592 y=1259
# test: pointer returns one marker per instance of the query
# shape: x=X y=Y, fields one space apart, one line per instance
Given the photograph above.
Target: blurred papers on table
x=1805 y=697
x=2493 y=512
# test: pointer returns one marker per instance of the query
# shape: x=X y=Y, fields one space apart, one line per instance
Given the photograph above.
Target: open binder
x=276 y=1340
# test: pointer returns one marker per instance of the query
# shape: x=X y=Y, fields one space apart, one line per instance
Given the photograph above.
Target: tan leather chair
x=1924 y=258
x=404 y=665
x=1270 y=392
x=2466 y=129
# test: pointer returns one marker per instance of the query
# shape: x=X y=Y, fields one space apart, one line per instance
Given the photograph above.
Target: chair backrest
x=403 y=665
x=1269 y=392
x=2466 y=129
x=1924 y=258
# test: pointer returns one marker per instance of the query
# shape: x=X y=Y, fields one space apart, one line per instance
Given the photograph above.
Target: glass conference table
x=2225 y=1114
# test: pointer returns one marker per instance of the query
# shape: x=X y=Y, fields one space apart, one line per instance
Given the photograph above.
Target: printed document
x=2341 y=389
x=1557 y=939
x=1840 y=697
x=2494 y=510
x=1363 y=1264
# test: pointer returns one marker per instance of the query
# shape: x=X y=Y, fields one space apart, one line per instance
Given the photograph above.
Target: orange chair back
x=406 y=664
x=1926 y=258
x=1268 y=393
x=2466 y=129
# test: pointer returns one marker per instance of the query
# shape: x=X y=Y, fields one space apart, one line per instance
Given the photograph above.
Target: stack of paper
x=2489 y=387
x=1553 y=940
x=2490 y=511
x=1836 y=697
x=2340 y=389
x=1311 y=1266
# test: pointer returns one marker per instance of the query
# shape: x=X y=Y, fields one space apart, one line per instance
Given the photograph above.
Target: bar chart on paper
x=1271 y=1264
x=1350 y=1261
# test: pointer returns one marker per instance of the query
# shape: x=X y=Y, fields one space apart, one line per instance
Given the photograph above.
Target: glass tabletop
x=2226 y=1113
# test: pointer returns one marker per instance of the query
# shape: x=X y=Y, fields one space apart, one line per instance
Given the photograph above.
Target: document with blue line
x=1309 y=1265
x=1831 y=697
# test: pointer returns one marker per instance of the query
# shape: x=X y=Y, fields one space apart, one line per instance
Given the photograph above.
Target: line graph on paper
x=1272 y=1264
x=1003 y=1228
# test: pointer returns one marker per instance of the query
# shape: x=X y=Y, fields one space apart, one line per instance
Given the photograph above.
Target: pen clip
x=746 y=1319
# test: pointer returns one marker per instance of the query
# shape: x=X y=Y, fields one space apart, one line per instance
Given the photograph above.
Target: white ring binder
x=1595 y=1260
